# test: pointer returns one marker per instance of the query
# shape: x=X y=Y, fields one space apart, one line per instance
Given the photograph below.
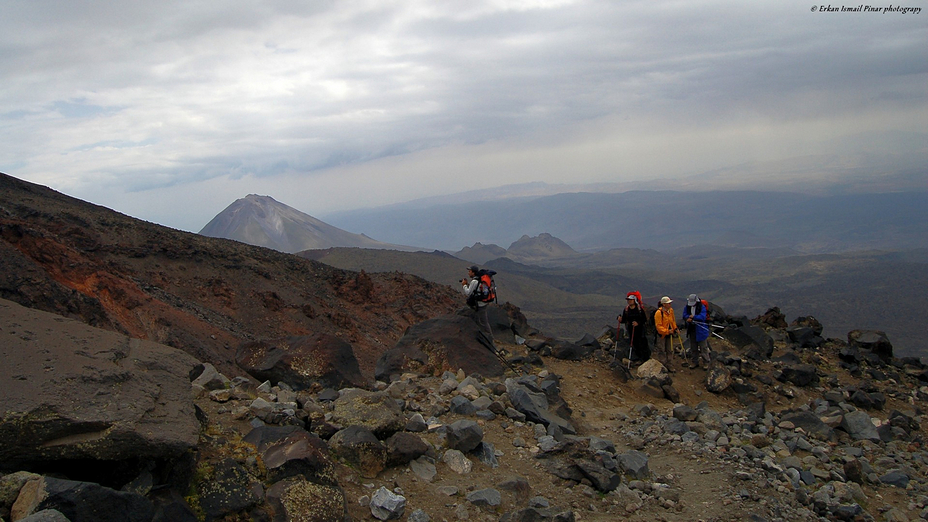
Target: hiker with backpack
x=480 y=290
x=636 y=324
x=695 y=314
x=665 y=322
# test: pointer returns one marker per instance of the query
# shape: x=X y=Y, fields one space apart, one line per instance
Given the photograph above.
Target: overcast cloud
x=170 y=110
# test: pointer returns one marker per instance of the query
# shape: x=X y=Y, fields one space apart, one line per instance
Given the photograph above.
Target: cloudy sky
x=171 y=110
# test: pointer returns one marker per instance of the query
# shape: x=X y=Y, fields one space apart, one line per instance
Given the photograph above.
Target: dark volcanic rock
x=772 y=318
x=84 y=501
x=873 y=341
x=464 y=435
x=376 y=411
x=443 y=343
x=298 y=499
x=811 y=424
x=570 y=351
x=535 y=406
x=800 y=374
x=76 y=392
x=228 y=488
x=302 y=362
x=359 y=447
x=750 y=338
x=298 y=453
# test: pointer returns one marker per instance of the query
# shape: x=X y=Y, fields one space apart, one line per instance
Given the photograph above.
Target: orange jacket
x=665 y=322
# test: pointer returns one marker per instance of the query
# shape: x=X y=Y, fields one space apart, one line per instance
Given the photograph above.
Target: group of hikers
x=695 y=319
x=480 y=291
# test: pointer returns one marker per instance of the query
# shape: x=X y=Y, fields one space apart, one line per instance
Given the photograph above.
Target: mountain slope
x=263 y=221
x=200 y=294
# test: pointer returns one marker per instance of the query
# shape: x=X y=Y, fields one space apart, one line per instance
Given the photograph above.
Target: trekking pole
x=682 y=349
x=706 y=326
x=630 y=345
x=615 y=350
x=483 y=339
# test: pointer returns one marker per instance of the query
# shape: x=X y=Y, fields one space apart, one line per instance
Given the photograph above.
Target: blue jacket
x=699 y=321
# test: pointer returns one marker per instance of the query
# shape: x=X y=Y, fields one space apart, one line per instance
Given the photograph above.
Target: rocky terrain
x=152 y=375
x=202 y=295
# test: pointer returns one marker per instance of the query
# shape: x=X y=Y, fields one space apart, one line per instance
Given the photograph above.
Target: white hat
x=691 y=300
x=665 y=300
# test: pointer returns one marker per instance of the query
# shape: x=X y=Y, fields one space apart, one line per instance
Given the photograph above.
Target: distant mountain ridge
x=263 y=221
x=541 y=248
x=663 y=220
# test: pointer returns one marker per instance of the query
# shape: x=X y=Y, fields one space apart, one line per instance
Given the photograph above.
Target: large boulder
x=376 y=411
x=811 y=424
x=289 y=451
x=535 y=406
x=448 y=342
x=358 y=446
x=302 y=361
x=81 y=501
x=569 y=351
x=71 y=391
x=227 y=487
x=872 y=340
x=753 y=339
x=296 y=498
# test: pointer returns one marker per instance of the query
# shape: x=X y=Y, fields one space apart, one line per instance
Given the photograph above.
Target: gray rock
x=535 y=406
x=461 y=405
x=896 y=478
x=684 y=413
x=488 y=497
x=418 y=516
x=598 y=444
x=602 y=479
x=424 y=468
x=486 y=454
x=858 y=425
x=386 y=505
x=458 y=463
x=634 y=464
x=92 y=394
x=464 y=435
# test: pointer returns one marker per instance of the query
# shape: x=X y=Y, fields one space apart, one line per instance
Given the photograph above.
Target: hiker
x=697 y=330
x=470 y=286
x=636 y=325
x=666 y=325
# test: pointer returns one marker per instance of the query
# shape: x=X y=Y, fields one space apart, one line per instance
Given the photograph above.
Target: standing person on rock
x=665 y=322
x=636 y=324
x=697 y=331
x=471 y=286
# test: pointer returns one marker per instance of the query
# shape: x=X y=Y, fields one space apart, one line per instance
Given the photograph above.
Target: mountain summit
x=263 y=221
